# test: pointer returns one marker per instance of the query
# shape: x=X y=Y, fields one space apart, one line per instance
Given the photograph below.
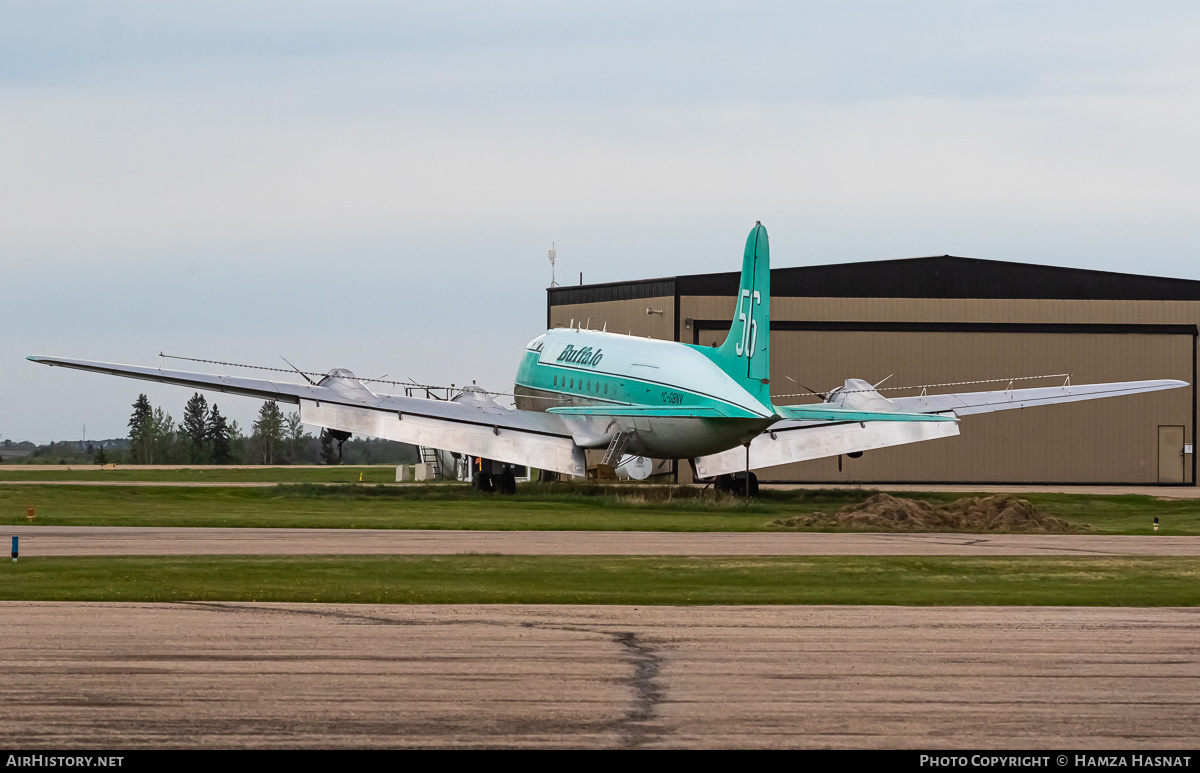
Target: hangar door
x=1170 y=454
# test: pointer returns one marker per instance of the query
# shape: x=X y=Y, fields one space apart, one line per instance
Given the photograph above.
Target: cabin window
x=589 y=386
x=572 y=383
x=556 y=381
x=606 y=389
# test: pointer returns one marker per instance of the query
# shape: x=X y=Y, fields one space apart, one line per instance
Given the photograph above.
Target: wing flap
x=788 y=442
x=825 y=412
x=501 y=442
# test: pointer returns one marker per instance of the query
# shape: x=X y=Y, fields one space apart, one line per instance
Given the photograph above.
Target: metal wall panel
x=1112 y=440
x=639 y=317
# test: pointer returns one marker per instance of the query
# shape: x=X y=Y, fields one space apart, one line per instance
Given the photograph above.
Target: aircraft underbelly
x=674 y=437
x=680 y=438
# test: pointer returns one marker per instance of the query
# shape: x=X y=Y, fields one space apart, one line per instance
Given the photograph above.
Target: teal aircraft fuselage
x=669 y=398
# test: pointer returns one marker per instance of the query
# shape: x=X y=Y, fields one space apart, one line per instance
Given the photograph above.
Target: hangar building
x=951 y=320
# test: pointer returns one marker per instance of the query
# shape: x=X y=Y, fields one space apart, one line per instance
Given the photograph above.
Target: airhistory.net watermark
x=61 y=761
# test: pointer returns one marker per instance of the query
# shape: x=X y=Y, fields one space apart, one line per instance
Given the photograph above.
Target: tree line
x=205 y=436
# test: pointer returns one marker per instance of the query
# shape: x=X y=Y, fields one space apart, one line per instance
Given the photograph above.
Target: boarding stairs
x=612 y=456
x=430 y=456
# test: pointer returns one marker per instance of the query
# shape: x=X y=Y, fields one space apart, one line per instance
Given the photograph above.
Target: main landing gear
x=489 y=476
x=736 y=484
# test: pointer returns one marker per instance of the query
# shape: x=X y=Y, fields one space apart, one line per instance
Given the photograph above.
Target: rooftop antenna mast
x=553 y=255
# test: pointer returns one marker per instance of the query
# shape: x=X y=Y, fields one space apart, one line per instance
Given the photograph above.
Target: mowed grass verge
x=553 y=507
x=486 y=579
x=203 y=474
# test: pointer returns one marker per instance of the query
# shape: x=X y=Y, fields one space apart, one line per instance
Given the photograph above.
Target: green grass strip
x=538 y=508
x=203 y=474
x=485 y=579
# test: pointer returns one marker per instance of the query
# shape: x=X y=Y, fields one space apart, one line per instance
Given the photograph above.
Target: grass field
x=555 y=507
x=210 y=474
x=480 y=579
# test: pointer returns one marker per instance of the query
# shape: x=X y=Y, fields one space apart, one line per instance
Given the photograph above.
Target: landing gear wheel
x=736 y=484
x=481 y=481
x=753 y=485
x=507 y=483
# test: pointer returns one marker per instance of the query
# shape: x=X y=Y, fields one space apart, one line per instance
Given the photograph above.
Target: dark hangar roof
x=943 y=276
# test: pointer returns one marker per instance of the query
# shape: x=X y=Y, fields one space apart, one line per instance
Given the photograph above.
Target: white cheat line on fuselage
x=592 y=389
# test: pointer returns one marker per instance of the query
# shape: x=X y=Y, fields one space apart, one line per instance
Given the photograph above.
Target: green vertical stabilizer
x=746 y=353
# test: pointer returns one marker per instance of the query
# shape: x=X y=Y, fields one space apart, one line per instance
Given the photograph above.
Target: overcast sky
x=374 y=185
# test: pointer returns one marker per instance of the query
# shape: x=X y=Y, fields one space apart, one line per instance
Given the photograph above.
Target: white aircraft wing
x=472 y=424
x=967 y=403
x=798 y=441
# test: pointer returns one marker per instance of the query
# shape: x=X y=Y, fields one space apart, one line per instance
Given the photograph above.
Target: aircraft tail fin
x=746 y=353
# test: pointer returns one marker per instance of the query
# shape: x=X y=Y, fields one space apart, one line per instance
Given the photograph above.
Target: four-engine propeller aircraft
x=585 y=389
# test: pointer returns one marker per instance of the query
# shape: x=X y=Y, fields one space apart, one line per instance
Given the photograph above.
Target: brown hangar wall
x=638 y=317
x=820 y=341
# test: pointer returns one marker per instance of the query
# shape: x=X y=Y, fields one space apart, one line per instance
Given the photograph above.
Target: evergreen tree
x=195 y=429
x=268 y=431
x=162 y=437
x=140 y=444
x=237 y=443
x=217 y=437
x=295 y=437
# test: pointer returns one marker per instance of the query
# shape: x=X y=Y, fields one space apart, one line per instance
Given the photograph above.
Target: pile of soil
x=888 y=513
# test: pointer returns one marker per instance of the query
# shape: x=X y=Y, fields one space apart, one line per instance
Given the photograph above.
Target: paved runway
x=246 y=675
x=150 y=540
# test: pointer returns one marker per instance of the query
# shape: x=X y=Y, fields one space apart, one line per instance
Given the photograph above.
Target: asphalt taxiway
x=247 y=675
x=153 y=540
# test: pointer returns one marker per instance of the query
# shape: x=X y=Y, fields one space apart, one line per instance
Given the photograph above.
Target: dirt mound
x=886 y=512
